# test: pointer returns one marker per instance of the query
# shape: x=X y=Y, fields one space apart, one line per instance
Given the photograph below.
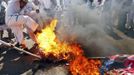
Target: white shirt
x=30 y=7
x=13 y=8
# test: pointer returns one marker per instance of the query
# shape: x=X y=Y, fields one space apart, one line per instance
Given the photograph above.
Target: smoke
x=89 y=25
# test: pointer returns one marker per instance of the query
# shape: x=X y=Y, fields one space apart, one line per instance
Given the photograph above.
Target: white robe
x=49 y=8
x=17 y=21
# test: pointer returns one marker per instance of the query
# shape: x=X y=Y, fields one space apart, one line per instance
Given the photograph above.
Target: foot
x=17 y=45
x=23 y=46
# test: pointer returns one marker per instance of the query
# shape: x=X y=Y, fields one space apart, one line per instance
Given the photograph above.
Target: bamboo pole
x=19 y=49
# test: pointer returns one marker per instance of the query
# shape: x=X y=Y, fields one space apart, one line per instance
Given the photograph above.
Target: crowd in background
x=118 y=13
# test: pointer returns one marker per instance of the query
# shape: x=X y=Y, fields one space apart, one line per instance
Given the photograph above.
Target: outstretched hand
x=37 y=11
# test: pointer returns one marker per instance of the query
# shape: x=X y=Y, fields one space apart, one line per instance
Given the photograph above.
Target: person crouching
x=17 y=22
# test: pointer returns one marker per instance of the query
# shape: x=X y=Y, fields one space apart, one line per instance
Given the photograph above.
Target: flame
x=82 y=66
x=49 y=44
x=46 y=39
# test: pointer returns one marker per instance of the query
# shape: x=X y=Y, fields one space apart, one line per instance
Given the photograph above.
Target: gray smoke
x=86 y=25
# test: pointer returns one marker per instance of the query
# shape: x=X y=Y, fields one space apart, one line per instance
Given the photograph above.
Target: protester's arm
x=29 y=9
x=4 y=4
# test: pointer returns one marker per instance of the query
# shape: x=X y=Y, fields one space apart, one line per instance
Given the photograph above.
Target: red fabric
x=130 y=61
x=113 y=57
x=126 y=71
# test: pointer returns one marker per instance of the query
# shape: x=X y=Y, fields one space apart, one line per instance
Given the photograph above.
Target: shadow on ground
x=12 y=62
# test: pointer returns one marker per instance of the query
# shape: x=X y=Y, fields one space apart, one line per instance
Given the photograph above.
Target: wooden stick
x=19 y=49
x=102 y=58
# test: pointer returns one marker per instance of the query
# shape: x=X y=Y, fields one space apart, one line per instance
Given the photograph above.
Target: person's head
x=99 y=1
x=23 y=3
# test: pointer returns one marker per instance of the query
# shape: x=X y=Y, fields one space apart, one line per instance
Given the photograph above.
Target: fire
x=82 y=66
x=49 y=44
x=46 y=39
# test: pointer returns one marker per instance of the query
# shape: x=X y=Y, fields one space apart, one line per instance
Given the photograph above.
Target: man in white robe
x=16 y=20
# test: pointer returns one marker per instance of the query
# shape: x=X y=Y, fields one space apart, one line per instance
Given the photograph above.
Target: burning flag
x=51 y=45
x=82 y=66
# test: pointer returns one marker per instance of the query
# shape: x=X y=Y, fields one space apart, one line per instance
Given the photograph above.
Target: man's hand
x=37 y=11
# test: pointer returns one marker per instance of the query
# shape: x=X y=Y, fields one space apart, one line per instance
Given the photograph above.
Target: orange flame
x=79 y=65
x=82 y=66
